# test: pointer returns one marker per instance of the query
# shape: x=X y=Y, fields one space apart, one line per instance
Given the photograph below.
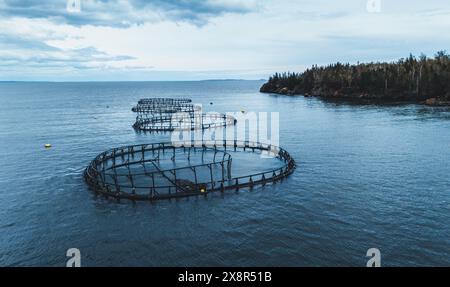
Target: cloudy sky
x=210 y=39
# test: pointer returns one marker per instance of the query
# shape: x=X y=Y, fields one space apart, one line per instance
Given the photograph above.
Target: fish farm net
x=181 y=169
x=166 y=115
x=168 y=170
x=165 y=100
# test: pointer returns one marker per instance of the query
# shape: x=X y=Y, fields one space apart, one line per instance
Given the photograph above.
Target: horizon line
x=125 y=81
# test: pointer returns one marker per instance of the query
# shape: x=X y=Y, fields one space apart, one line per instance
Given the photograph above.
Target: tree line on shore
x=413 y=79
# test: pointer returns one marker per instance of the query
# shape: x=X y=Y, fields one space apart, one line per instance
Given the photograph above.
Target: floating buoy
x=211 y=103
x=47 y=145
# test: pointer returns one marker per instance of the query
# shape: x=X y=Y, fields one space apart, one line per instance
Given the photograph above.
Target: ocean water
x=368 y=176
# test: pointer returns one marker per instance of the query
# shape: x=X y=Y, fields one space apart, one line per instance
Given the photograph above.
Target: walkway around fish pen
x=104 y=177
x=165 y=101
x=183 y=122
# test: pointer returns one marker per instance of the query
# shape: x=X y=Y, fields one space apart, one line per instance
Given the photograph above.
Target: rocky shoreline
x=420 y=80
x=353 y=94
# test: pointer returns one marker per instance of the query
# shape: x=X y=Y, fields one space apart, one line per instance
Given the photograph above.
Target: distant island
x=424 y=80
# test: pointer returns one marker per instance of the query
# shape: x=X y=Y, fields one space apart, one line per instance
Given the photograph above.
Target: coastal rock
x=431 y=102
x=267 y=88
x=284 y=91
x=436 y=102
x=353 y=93
x=317 y=92
x=297 y=90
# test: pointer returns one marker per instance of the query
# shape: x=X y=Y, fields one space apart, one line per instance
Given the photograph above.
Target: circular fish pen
x=174 y=170
x=163 y=108
x=182 y=122
x=167 y=115
x=165 y=100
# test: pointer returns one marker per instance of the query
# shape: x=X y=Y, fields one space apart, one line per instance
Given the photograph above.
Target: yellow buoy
x=47 y=145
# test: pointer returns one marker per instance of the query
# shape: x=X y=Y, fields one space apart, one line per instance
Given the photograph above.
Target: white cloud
x=247 y=39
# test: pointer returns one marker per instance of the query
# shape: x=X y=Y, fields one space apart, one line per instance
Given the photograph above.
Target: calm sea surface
x=368 y=176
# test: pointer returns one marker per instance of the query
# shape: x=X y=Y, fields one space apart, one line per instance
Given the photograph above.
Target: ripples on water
x=368 y=176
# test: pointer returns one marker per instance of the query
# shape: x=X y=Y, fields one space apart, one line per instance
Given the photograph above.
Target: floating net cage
x=165 y=101
x=181 y=169
x=180 y=122
x=167 y=115
x=167 y=170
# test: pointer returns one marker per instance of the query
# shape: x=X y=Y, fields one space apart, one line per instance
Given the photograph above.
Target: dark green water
x=368 y=176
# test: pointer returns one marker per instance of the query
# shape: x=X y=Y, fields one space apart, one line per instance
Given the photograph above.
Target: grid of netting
x=168 y=170
x=165 y=100
x=166 y=115
x=171 y=170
